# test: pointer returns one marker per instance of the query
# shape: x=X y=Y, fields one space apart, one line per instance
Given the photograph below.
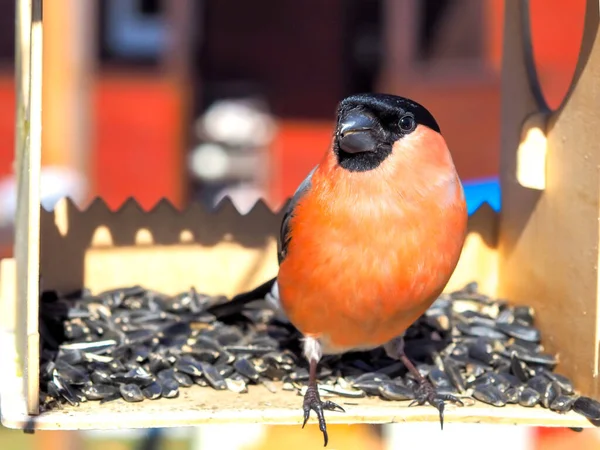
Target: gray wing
x=284 y=238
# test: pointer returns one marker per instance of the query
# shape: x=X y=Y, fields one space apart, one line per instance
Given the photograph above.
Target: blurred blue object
x=152 y=440
x=482 y=190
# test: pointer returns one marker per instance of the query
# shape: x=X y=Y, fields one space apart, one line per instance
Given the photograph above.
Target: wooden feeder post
x=28 y=75
x=550 y=177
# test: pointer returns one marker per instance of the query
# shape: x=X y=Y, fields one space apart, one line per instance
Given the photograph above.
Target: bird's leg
x=426 y=392
x=312 y=400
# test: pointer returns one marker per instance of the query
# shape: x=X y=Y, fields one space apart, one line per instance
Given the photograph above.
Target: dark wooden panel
x=292 y=50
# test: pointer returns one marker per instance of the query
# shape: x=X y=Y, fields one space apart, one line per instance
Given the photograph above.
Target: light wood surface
x=28 y=148
x=198 y=405
x=548 y=243
x=220 y=253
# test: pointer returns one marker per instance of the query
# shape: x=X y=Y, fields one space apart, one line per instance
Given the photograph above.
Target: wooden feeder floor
x=199 y=405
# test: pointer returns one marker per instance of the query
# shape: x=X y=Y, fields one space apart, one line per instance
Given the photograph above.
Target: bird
x=368 y=241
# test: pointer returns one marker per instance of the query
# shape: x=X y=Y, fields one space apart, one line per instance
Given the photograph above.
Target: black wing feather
x=232 y=309
x=284 y=238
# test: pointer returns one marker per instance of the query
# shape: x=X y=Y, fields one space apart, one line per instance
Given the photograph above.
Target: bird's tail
x=237 y=303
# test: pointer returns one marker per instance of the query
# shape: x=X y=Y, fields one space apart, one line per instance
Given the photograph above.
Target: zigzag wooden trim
x=225 y=204
x=165 y=206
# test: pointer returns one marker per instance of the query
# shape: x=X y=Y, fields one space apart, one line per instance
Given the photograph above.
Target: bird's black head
x=369 y=124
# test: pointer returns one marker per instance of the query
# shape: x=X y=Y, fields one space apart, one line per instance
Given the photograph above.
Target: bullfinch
x=369 y=240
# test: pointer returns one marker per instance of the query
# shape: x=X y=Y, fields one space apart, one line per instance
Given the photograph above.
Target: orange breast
x=365 y=261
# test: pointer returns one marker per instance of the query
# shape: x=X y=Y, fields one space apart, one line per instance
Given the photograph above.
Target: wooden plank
x=8 y=305
x=22 y=45
x=11 y=376
x=197 y=405
x=28 y=156
x=221 y=253
x=549 y=238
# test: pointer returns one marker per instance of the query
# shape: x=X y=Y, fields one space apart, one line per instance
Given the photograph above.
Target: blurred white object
x=237 y=122
x=227 y=436
x=209 y=161
x=55 y=183
x=212 y=162
x=458 y=436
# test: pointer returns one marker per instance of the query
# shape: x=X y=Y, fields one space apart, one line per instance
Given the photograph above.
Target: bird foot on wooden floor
x=426 y=393
x=312 y=401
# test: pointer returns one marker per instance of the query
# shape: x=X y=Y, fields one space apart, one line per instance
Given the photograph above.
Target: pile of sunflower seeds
x=135 y=344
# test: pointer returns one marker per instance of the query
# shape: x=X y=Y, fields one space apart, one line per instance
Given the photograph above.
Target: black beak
x=356 y=133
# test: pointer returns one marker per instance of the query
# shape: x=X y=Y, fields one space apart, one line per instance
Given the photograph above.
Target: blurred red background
x=140 y=123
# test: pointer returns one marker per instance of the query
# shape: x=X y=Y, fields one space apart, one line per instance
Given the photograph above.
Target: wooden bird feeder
x=542 y=250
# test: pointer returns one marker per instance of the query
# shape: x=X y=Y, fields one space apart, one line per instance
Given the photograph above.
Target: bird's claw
x=330 y=406
x=312 y=401
x=426 y=393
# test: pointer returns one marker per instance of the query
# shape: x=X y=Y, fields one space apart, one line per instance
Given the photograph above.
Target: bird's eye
x=407 y=123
